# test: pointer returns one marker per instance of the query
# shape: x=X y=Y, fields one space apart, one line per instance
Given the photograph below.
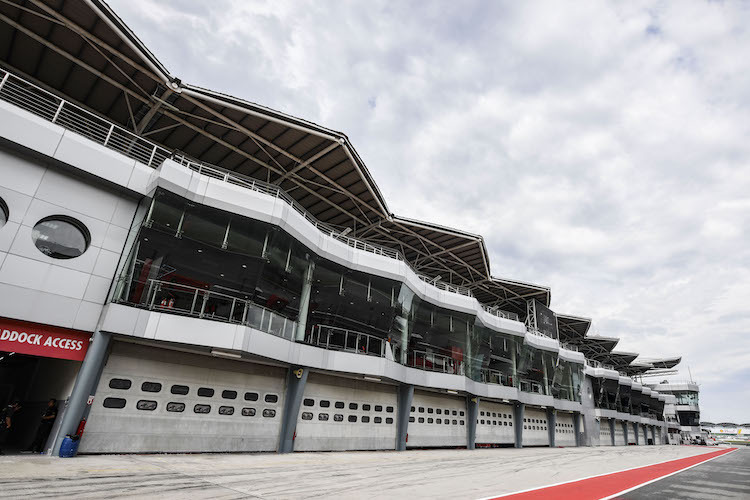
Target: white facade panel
x=346 y=414
x=29 y=130
x=87 y=155
x=427 y=408
x=259 y=390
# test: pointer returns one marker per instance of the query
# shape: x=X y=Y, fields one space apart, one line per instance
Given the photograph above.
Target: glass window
x=325 y=403
x=4 y=213
x=271 y=398
x=389 y=409
x=113 y=403
x=61 y=237
x=269 y=413
x=201 y=408
x=306 y=415
x=365 y=419
x=352 y=418
x=339 y=404
x=411 y=420
x=120 y=383
x=176 y=407
x=378 y=420
x=421 y=420
x=338 y=417
x=439 y=421
x=323 y=417
x=226 y=410
x=430 y=410
x=378 y=408
x=179 y=389
x=353 y=406
x=455 y=422
x=389 y=420
x=144 y=404
x=366 y=407
x=248 y=412
x=308 y=402
x=421 y=409
x=227 y=394
x=430 y=421
x=151 y=387
x=251 y=396
x=205 y=392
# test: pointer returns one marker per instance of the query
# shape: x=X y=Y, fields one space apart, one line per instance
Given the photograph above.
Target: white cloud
x=601 y=148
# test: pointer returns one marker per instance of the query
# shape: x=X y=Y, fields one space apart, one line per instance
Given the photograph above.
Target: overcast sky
x=602 y=149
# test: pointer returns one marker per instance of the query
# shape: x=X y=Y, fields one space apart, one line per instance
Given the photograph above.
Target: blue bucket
x=69 y=446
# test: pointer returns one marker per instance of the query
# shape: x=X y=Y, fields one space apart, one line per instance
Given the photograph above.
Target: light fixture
x=225 y=354
x=372 y=379
x=244 y=266
x=200 y=250
x=346 y=231
x=449 y=391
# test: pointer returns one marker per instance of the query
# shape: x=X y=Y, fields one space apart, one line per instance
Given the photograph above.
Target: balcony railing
x=342 y=339
x=500 y=313
x=54 y=109
x=176 y=298
x=435 y=362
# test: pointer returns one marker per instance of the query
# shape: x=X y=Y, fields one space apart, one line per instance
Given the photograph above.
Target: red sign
x=42 y=340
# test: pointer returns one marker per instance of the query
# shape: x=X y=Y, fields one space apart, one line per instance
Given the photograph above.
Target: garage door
x=619 y=433
x=565 y=434
x=659 y=436
x=643 y=435
x=436 y=420
x=631 y=433
x=535 y=427
x=495 y=423
x=605 y=433
x=346 y=414
x=156 y=400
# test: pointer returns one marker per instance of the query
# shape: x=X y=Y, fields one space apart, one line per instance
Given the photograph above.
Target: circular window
x=3 y=212
x=61 y=237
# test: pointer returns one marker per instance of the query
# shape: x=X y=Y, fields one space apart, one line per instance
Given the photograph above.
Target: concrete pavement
x=454 y=474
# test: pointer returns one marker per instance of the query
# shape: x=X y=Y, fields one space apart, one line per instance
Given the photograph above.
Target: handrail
x=333 y=337
x=54 y=109
x=437 y=362
x=177 y=298
x=495 y=311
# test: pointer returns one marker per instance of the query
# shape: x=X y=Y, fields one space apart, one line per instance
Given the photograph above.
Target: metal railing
x=490 y=376
x=176 y=298
x=332 y=337
x=569 y=347
x=461 y=290
x=54 y=109
x=495 y=311
x=435 y=362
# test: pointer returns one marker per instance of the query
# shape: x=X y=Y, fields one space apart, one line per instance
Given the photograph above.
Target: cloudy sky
x=602 y=149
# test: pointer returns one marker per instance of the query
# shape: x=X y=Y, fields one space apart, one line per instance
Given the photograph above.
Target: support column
x=85 y=386
x=577 y=427
x=625 y=431
x=295 y=391
x=304 y=302
x=472 y=411
x=635 y=432
x=405 y=397
x=551 y=425
x=653 y=435
x=518 y=414
x=612 y=424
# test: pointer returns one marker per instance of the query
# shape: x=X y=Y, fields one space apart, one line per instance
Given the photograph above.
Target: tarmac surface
x=725 y=477
x=454 y=474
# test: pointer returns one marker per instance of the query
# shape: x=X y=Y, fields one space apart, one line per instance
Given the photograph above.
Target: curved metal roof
x=86 y=52
x=572 y=328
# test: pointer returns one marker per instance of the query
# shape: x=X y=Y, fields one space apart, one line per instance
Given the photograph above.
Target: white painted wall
x=61 y=292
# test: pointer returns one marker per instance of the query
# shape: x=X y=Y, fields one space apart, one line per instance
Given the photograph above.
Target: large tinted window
x=3 y=212
x=61 y=237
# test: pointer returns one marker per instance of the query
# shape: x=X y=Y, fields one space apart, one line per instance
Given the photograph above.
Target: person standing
x=45 y=426
x=6 y=421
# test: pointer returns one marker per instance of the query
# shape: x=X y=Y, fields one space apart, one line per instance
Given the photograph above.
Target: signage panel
x=546 y=321
x=43 y=340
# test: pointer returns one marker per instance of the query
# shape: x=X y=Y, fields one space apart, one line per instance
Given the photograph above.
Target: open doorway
x=33 y=381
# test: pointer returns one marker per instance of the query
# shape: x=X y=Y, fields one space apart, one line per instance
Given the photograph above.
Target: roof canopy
x=84 y=51
x=572 y=328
